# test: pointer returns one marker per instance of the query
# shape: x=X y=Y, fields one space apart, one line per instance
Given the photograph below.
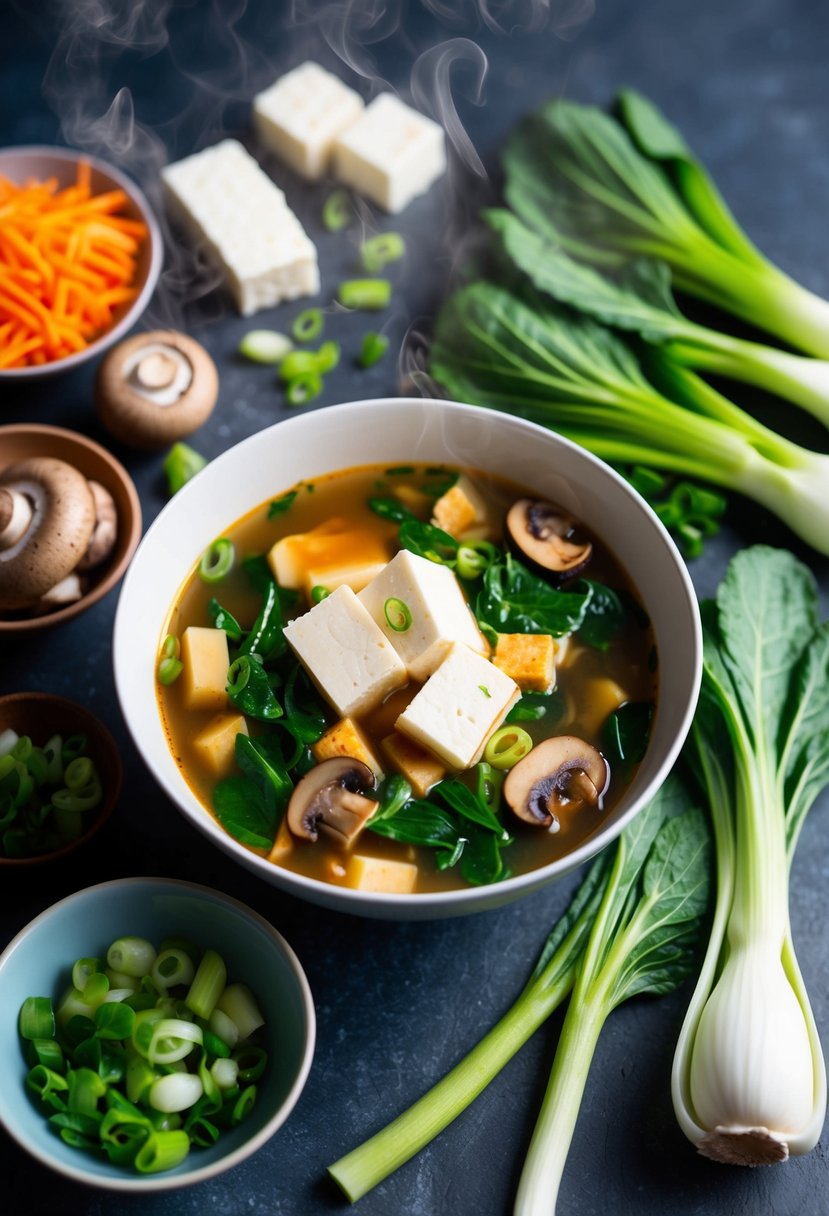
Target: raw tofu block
x=527 y=658
x=300 y=116
x=460 y=508
x=345 y=738
x=348 y=656
x=204 y=675
x=440 y=614
x=381 y=874
x=458 y=707
x=420 y=768
x=216 y=743
x=242 y=218
x=391 y=154
x=329 y=556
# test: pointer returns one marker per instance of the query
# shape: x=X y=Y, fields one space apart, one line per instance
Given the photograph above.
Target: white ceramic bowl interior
x=392 y=431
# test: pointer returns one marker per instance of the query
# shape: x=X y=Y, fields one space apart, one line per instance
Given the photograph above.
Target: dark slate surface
x=399 y=1003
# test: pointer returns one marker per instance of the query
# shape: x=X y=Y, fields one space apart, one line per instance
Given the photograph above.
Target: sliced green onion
x=96 y=989
x=225 y=1073
x=474 y=558
x=297 y=364
x=8 y=740
x=239 y=1003
x=238 y=675
x=337 y=210
x=169 y=671
x=162 y=1151
x=44 y=1081
x=251 y=1061
x=132 y=955
x=83 y=799
x=319 y=593
x=303 y=388
x=224 y=1027
x=308 y=325
x=85 y=1090
x=47 y=1052
x=364 y=293
x=244 y=1105
x=507 y=746
x=52 y=752
x=181 y=464
x=265 y=346
x=328 y=356
x=176 y=1091
x=114 y=1020
x=37 y=1018
x=208 y=984
x=82 y=970
x=214 y=1044
x=372 y=350
x=140 y=1077
x=379 y=250
x=78 y=774
x=72 y=747
x=172 y=967
x=398 y=614
x=172 y=1040
x=170 y=647
x=217 y=560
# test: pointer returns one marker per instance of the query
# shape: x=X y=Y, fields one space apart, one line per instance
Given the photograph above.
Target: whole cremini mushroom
x=47 y=518
x=540 y=534
x=329 y=799
x=561 y=773
x=156 y=388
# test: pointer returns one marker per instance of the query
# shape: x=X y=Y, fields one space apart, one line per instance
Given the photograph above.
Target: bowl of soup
x=408 y=658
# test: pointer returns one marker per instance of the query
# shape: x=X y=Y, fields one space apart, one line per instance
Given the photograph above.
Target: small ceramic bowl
x=395 y=431
x=24 y=440
x=39 y=960
x=40 y=164
x=40 y=716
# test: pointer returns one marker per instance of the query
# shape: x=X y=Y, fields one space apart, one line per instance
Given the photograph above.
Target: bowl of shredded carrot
x=80 y=254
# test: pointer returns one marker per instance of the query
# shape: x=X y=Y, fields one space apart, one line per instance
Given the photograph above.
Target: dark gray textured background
x=398 y=1004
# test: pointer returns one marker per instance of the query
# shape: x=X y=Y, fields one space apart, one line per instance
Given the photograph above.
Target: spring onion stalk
x=630 y=929
x=749 y=1081
x=372 y=349
x=239 y=1004
x=640 y=301
x=224 y=1027
x=308 y=325
x=526 y=356
x=208 y=984
x=181 y=464
x=265 y=346
x=364 y=293
x=608 y=192
x=225 y=1073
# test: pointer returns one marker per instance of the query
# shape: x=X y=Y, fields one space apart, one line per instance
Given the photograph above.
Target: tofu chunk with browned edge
x=347 y=655
x=527 y=658
x=381 y=874
x=300 y=116
x=391 y=154
x=459 y=707
x=205 y=660
x=460 y=508
x=345 y=738
x=434 y=606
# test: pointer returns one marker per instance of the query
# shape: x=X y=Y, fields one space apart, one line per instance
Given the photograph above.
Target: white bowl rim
x=428 y=903
x=158 y=1182
x=156 y=250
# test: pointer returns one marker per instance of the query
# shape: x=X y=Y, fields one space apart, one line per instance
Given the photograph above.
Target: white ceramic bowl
x=388 y=432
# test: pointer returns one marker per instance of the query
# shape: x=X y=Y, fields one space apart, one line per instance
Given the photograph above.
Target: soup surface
x=247 y=720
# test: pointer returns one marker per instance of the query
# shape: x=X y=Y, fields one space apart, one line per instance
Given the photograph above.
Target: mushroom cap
x=539 y=533
x=560 y=773
x=105 y=532
x=329 y=798
x=138 y=398
x=59 y=532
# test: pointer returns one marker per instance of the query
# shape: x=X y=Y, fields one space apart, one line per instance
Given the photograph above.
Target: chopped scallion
x=398 y=614
x=337 y=210
x=379 y=250
x=308 y=325
x=217 y=560
x=318 y=594
x=181 y=464
x=265 y=346
x=372 y=350
x=507 y=746
x=303 y=388
x=364 y=293
x=169 y=670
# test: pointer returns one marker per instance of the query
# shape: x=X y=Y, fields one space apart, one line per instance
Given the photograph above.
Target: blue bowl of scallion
x=154 y=1034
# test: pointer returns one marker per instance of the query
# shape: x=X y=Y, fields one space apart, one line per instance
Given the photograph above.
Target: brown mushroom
x=155 y=388
x=542 y=535
x=328 y=799
x=562 y=773
x=47 y=517
x=105 y=532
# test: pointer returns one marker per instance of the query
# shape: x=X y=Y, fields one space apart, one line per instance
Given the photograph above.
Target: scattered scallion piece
x=265 y=346
x=378 y=251
x=398 y=614
x=474 y=558
x=308 y=325
x=364 y=293
x=373 y=349
x=506 y=746
x=44 y=793
x=337 y=210
x=181 y=464
x=217 y=560
x=303 y=388
x=318 y=594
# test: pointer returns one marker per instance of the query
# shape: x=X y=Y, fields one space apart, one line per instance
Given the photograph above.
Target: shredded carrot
x=68 y=262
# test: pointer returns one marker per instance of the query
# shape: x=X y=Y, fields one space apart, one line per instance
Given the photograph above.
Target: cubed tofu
x=458 y=707
x=288 y=557
x=527 y=658
x=300 y=116
x=283 y=842
x=354 y=575
x=420 y=768
x=330 y=555
x=381 y=874
x=600 y=697
x=345 y=738
x=242 y=220
x=439 y=613
x=216 y=742
x=391 y=154
x=346 y=653
x=205 y=661
x=460 y=509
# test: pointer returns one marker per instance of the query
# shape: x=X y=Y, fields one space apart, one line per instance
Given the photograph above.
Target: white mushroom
x=105 y=532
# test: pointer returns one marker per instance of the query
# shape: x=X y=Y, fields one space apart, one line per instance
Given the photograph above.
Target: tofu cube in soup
x=346 y=653
x=528 y=658
x=345 y=738
x=459 y=706
x=330 y=556
x=216 y=742
x=205 y=660
x=380 y=874
x=432 y=604
x=460 y=508
x=391 y=154
x=300 y=116
x=420 y=767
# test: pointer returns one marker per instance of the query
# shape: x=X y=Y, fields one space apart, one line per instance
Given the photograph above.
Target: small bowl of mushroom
x=70 y=521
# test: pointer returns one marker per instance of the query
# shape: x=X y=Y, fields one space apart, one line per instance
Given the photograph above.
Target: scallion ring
x=170 y=648
x=507 y=746
x=318 y=594
x=398 y=614
x=217 y=560
x=303 y=388
x=169 y=670
x=474 y=558
x=364 y=293
x=265 y=346
x=337 y=210
x=308 y=325
x=372 y=350
x=378 y=250
x=238 y=674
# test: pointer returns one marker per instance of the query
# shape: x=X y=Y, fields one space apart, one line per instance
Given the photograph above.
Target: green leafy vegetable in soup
x=387 y=647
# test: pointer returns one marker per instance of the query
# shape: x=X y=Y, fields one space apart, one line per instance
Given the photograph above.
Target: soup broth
x=604 y=691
